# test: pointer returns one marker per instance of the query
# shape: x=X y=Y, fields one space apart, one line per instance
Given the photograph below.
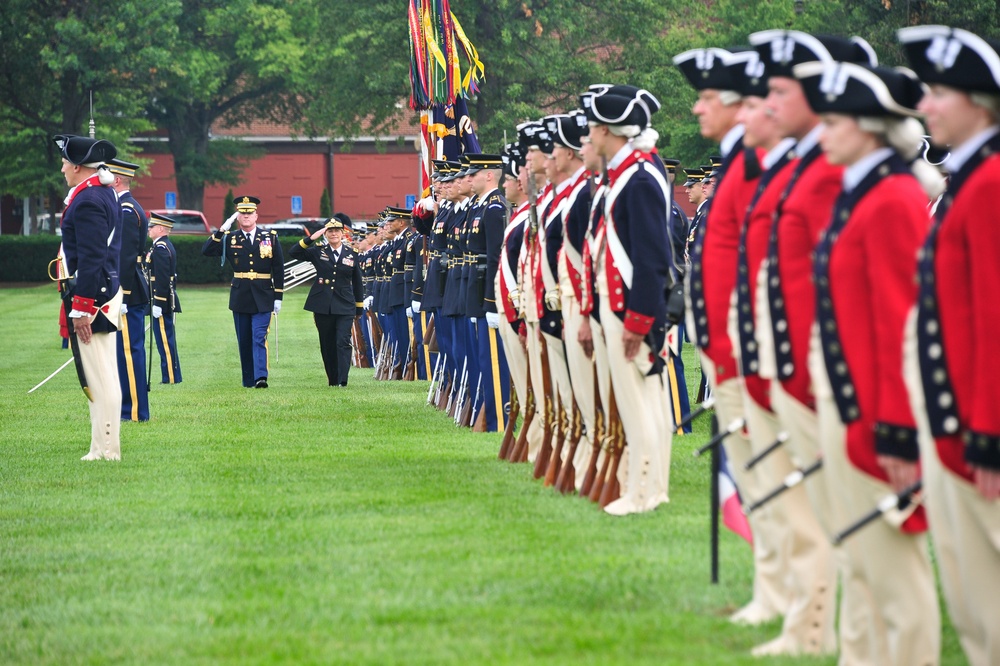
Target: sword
x=789 y=482
x=61 y=368
x=899 y=500
x=715 y=441
x=705 y=406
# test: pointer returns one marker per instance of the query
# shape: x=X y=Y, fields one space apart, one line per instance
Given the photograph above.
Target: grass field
x=312 y=525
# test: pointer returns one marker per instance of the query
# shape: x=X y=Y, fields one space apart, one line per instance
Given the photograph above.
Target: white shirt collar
x=809 y=141
x=777 y=152
x=959 y=156
x=620 y=156
x=729 y=141
x=854 y=174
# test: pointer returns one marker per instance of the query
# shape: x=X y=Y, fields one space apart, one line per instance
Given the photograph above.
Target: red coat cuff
x=637 y=323
x=84 y=304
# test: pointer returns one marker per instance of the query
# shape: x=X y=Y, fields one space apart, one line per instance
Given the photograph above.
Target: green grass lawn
x=314 y=525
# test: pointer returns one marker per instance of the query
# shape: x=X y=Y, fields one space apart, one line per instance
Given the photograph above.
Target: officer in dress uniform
x=633 y=268
x=162 y=266
x=336 y=297
x=952 y=350
x=484 y=240
x=257 y=287
x=398 y=300
x=413 y=286
x=91 y=248
x=135 y=297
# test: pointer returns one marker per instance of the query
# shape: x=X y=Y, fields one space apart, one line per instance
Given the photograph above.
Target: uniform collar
x=730 y=140
x=809 y=141
x=959 y=156
x=854 y=174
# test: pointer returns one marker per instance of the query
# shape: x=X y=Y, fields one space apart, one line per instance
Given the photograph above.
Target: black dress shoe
x=261 y=383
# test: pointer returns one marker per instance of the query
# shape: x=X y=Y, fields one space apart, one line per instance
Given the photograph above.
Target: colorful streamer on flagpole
x=437 y=81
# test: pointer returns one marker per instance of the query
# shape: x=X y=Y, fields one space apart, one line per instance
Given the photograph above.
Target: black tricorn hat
x=781 y=50
x=855 y=90
x=748 y=73
x=706 y=69
x=953 y=57
x=82 y=150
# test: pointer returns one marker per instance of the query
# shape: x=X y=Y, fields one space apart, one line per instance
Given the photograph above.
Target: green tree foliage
x=325 y=207
x=228 y=207
x=234 y=60
x=55 y=54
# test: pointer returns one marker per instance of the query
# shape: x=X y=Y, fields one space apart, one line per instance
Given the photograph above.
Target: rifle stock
x=612 y=489
x=545 y=453
x=520 y=450
x=566 y=483
x=555 y=462
x=598 y=437
x=508 y=434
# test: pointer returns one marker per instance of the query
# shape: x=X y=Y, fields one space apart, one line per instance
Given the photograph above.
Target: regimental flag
x=729 y=501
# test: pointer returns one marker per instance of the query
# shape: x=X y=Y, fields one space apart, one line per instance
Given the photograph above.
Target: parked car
x=286 y=226
x=186 y=222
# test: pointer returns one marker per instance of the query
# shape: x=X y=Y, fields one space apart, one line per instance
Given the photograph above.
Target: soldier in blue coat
x=258 y=283
x=336 y=296
x=162 y=261
x=135 y=297
x=91 y=244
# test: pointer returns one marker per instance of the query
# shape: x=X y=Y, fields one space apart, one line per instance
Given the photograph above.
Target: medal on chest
x=265 y=248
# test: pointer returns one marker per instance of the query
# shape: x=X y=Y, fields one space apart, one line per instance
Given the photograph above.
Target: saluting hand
x=319 y=232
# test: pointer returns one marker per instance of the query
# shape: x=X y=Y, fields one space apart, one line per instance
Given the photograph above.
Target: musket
x=555 y=461
x=735 y=425
x=513 y=409
x=704 y=407
x=520 y=451
x=598 y=436
x=792 y=480
x=766 y=451
x=612 y=489
x=465 y=417
x=900 y=500
x=435 y=380
x=395 y=369
x=457 y=403
x=566 y=482
x=545 y=453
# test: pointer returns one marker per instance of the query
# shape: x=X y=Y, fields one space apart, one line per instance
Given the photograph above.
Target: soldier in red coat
x=863 y=280
x=785 y=290
x=952 y=349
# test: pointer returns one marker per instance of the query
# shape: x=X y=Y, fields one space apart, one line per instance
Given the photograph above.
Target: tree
x=53 y=55
x=235 y=61
x=325 y=207
x=228 y=207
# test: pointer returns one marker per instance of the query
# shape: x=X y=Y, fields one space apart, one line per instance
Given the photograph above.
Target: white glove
x=493 y=319
x=426 y=204
x=415 y=306
x=473 y=320
x=157 y=312
x=124 y=309
x=368 y=301
x=277 y=307
x=228 y=223
x=409 y=313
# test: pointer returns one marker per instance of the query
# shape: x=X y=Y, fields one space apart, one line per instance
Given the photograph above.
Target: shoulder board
x=126 y=204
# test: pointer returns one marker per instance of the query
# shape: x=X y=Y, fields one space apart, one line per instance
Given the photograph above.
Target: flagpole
x=714 y=505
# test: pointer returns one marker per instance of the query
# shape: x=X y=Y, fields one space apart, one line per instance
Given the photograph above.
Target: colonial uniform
x=951 y=349
x=162 y=265
x=335 y=298
x=135 y=296
x=91 y=248
x=256 y=290
x=633 y=271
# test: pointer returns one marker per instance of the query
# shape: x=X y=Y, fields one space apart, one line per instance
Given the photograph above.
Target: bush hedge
x=26 y=259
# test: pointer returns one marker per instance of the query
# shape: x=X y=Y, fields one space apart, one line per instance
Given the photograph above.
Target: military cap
x=122 y=168
x=246 y=204
x=706 y=68
x=334 y=223
x=155 y=219
x=781 y=50
x=84 y=151
x=694 y=176
x=855 y=90
x=953 y=57
x=747 y=73
x=670 y=164
x=481 y=161
x=396 y=213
